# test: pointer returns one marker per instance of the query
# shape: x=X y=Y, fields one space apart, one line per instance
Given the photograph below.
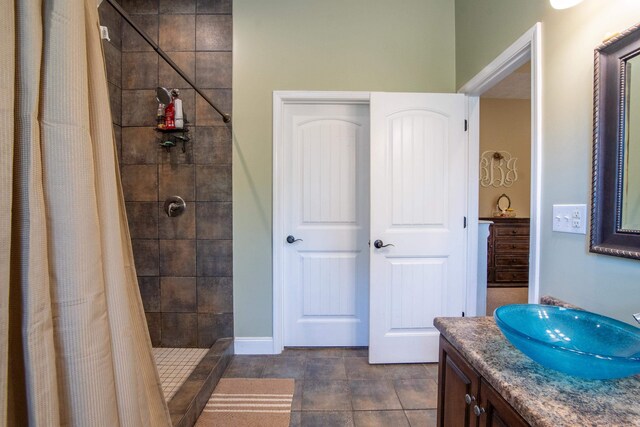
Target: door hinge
x=466 y=125
x=465 y=222
x=463 y=314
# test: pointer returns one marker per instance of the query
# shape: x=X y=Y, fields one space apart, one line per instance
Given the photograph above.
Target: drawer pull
x=468 y=399
x=478 y=410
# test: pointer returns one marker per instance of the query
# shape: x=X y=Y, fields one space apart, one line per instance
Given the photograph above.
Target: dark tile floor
x=338 y=387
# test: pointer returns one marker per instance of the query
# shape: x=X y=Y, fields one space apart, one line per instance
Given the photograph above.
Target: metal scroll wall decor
x=498 y=169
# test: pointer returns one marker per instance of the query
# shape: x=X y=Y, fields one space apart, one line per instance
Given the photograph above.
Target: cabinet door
x=497 y=412
x=458 y=383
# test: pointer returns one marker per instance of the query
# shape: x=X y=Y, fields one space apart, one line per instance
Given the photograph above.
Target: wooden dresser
x=508 y=252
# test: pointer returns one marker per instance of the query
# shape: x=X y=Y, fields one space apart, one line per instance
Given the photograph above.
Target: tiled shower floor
x=175 y=365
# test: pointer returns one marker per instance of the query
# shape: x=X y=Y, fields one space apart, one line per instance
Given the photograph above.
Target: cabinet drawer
x=511 y=276
x=505 y=246
x=512 y=260
x=511 y=230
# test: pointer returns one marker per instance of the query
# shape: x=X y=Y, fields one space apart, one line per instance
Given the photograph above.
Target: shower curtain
x=74 y=346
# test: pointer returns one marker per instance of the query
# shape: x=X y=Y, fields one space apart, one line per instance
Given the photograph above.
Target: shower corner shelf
x=183 y=130
x=171 y=137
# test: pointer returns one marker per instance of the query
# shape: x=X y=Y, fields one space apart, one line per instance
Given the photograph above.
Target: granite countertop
x=542 y=396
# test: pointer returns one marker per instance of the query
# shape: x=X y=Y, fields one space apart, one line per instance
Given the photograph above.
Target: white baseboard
x=253 y=345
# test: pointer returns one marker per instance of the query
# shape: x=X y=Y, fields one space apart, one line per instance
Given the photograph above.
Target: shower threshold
x=175 y=365
x=188 y=377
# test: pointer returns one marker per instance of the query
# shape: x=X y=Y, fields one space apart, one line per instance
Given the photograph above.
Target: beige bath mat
x=244 y=402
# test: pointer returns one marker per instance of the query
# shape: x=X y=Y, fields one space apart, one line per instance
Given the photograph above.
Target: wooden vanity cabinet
x=465 y=399
x=458 y=383
x=497 y=412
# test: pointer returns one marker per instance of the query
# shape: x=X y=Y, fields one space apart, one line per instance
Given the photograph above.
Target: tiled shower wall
x=113 y=58
x=184 y=264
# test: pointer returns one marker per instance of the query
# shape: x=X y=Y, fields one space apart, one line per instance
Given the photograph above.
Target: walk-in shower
x=178 y=195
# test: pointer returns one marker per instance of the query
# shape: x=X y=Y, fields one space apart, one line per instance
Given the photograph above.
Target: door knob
x=291 y=239
x=380 y=244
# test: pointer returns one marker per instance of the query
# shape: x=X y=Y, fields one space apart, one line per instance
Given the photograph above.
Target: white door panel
x=414 y=293
x=326 y=288
x=418 y=203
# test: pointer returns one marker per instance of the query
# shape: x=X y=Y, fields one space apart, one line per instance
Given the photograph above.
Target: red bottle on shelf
x=170 y=116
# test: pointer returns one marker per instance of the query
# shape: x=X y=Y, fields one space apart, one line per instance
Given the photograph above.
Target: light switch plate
x=570 y=218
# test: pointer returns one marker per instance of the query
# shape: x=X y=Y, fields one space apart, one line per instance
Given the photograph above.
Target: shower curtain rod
x=225 y=117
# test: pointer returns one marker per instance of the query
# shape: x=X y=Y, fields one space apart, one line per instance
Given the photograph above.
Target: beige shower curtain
x=74 y=347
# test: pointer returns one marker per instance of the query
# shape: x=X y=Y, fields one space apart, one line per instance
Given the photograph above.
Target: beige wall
x=505 y=125
x=485 y=28
x=369 y=45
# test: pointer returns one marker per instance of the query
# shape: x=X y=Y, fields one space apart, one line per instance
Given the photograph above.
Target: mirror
x=615 y=214
x=631 y=173
x=163 y=95
x=503 y=203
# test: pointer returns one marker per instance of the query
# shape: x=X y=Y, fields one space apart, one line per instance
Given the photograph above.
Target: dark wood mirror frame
x=607 y=235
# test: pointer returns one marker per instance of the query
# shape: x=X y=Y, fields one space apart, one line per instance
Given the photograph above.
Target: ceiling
x=516 y=85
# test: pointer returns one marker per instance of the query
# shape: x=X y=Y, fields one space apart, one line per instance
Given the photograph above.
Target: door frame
x=527 y=47
x=280 y=100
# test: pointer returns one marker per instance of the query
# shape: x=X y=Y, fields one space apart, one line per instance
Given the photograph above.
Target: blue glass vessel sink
x=575 y=342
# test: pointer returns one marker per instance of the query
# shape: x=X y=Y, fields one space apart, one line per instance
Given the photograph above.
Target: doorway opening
x=505 y=186
x=505 y=142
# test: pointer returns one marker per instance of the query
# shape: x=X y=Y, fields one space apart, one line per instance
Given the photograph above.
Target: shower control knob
x=174 y=206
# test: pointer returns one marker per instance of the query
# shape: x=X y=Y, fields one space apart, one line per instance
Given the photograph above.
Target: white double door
x=390 y=173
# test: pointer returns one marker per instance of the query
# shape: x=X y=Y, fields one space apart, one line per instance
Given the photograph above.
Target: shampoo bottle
x=160 y=116
x=169 y=116
x=177 y=104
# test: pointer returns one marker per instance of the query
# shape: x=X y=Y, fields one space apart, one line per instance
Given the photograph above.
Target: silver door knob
x=468 y=399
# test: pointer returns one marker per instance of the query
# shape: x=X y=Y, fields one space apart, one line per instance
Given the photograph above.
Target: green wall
x=369 y=45
x=484 y=28
x=409 y=45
